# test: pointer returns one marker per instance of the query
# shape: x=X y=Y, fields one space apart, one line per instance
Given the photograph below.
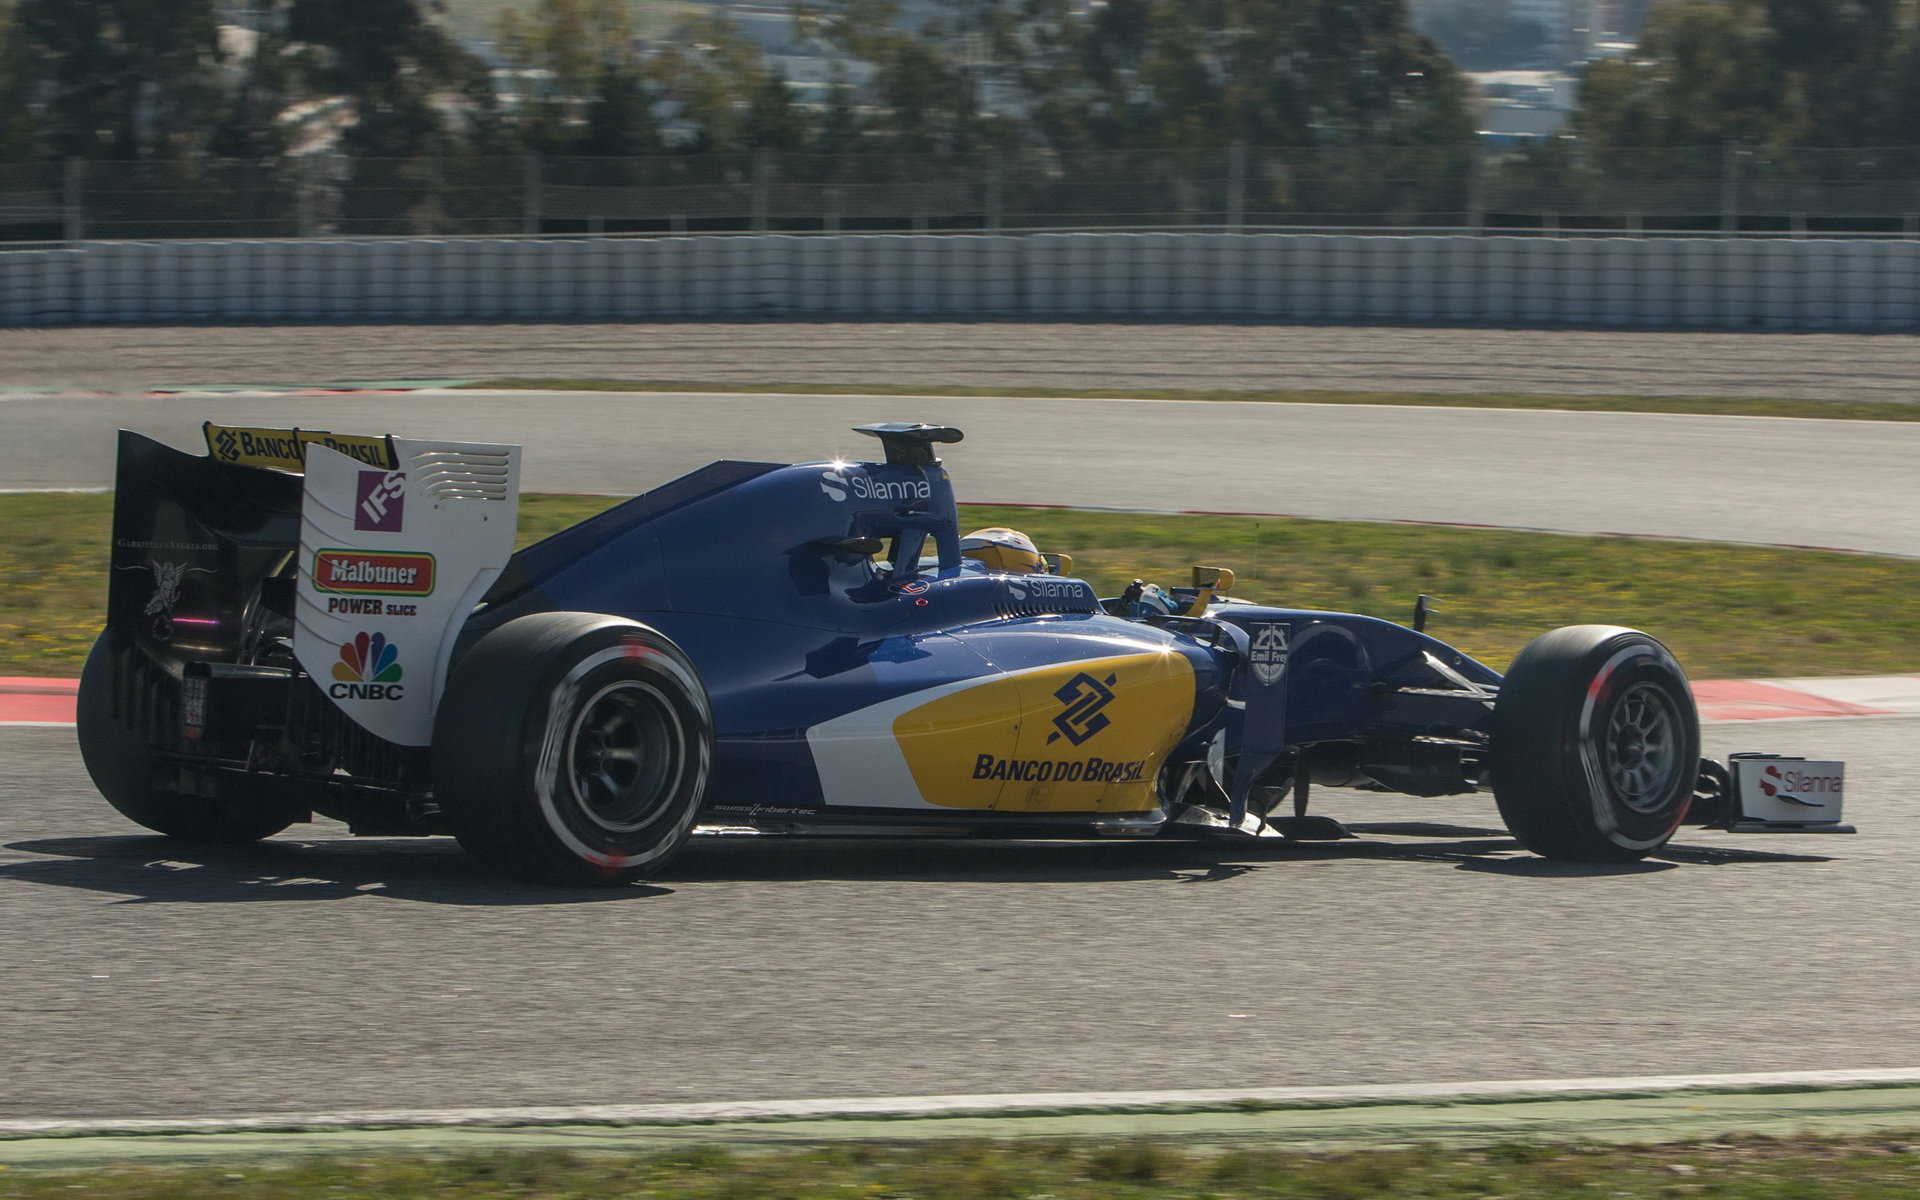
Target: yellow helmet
x=1006 y=550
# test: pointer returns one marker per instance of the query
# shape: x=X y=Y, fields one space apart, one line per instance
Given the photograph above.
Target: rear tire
x=119 y=759
x=573 y=749
x=1596 y=745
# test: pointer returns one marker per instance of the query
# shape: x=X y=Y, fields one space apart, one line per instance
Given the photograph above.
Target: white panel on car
x=1787 y=795
x=391 y=563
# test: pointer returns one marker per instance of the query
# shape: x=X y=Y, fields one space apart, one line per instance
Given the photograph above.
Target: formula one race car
x=300 y=622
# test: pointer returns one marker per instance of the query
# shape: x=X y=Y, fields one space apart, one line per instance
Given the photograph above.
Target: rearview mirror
x=1218 y=579
x=1058 y=564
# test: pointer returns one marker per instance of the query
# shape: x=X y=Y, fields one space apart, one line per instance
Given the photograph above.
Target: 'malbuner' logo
x=373 y=573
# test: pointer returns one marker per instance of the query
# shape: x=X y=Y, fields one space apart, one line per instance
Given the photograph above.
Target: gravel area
x=1812 y=366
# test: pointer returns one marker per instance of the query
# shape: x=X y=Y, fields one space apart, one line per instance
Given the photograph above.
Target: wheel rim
x=626 y=752
x=1643 y=747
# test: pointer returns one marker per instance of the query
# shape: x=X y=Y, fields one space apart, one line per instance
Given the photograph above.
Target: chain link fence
x=1554 y=186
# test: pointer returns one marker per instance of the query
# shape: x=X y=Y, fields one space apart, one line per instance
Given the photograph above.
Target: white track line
x=970 y=1105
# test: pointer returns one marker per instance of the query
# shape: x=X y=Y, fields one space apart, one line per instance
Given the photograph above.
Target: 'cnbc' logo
x=369 y=669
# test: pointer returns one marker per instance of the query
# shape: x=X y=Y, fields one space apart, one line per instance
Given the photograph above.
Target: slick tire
x=1596 y=745
x=573 y=749
x=120 y=762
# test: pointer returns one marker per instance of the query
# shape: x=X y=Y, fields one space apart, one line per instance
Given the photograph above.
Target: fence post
x=1476 y=189
x=72 y=205
x=1236 y=186
x=304 y=185
x=1730 y=190
x=762 y=172
x=996 y=193
x=530 y=195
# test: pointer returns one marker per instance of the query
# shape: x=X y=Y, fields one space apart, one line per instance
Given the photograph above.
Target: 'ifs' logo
x=369 y=669
x=1084 y=697
x=380 y=501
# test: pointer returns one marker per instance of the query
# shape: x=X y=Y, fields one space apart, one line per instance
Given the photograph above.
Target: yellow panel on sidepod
x=1085 y=736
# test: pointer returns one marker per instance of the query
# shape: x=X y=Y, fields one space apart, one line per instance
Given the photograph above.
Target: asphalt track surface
x=1027 y=354
x=321 y=972
x=1840 y=484
x=318 y=972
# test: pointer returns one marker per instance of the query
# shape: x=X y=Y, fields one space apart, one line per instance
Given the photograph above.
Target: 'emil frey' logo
x=1084 y=697
x=380 y=501
x=369 y=669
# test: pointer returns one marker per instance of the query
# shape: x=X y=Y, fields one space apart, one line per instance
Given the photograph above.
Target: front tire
x=120 y=760
x=573 y=749
x=1596 y=745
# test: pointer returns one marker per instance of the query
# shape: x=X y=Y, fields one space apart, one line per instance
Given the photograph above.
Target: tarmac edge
x=1635 y=1110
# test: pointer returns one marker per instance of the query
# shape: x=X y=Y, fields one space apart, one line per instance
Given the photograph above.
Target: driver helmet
x=1006 y=550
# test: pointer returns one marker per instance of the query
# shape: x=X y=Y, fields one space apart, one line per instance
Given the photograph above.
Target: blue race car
x=302 y=622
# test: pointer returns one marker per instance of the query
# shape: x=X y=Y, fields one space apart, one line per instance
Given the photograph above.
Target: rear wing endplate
x=392 y=561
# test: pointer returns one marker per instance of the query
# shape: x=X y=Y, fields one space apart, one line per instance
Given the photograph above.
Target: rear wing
x=368 y=551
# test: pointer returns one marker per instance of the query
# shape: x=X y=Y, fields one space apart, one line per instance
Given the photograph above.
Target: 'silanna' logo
x=368 y=658
x=1774 y=790
x=833 y=485
x=1084 y=697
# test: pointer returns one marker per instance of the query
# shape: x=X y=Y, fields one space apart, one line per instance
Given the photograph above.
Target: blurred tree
x=578 y=79
x=1484 y=35
x=1768 y=73
x=413 y=89
x=1203 y=74
x=19 y=131
x=921 y=95
x=710 y=73
x=121 y=78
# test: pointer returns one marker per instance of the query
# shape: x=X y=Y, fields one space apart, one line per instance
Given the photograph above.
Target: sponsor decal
x=1792 y=786
x=910 y=587
x=369 y=669
x=764 y=810
x=168 y=577
x=1042 y=588
x=1084 y=697
x=132 y=544
x=286 y=449
x=1268 y=653
x=1042 y=770
x=380 y=501
x=373 y=573
x=862 y=486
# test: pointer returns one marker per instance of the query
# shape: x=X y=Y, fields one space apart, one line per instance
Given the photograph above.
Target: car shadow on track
x=155 y=870
x=158 y=870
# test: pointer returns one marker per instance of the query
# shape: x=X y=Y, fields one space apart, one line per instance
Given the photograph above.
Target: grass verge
x=1741 y=1168
x=1727 y=611
x=1731 y=406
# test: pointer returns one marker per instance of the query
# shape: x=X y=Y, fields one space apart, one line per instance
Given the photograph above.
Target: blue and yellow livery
x=791 y=648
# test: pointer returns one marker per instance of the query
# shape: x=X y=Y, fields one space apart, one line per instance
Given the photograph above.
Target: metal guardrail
x=1745 y=283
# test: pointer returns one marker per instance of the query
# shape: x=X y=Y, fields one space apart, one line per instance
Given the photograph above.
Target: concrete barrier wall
x=1706 y=282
